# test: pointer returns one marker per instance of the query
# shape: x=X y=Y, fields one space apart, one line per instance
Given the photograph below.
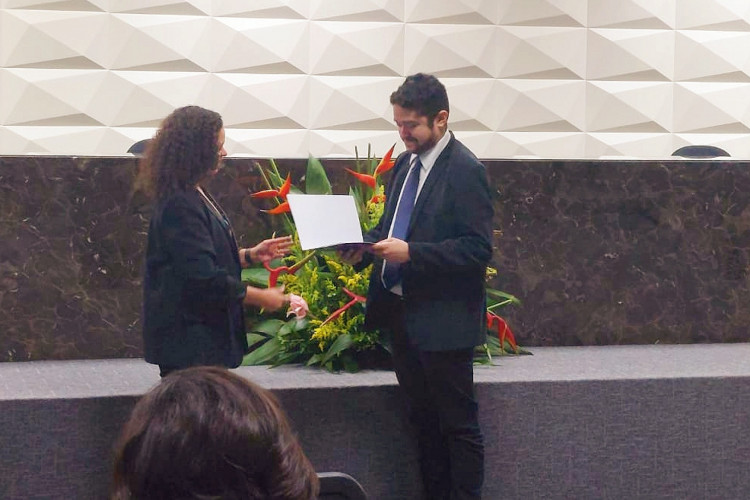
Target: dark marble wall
x=600 y=252
x=624 y=252
x=72 y=233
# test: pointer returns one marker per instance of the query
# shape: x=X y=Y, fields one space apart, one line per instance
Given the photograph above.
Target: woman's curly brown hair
x=183 y=150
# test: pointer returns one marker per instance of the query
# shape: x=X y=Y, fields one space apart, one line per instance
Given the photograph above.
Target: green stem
x=499 y=304
x=263 y=174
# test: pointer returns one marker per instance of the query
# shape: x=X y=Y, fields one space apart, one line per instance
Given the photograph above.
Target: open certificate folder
x=325 y=220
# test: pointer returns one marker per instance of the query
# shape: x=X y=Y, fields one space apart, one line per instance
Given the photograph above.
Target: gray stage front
x=653 y=422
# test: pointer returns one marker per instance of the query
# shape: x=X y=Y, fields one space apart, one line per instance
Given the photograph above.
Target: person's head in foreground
x=206 y=433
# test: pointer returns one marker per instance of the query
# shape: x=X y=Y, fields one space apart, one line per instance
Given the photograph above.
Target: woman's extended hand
x=272 y=248
x=270 y=299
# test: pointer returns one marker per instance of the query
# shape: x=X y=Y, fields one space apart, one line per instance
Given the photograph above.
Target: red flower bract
x=279 y=209
x=386 y=163
x=275 y=272
x=503 y=330
x=272 y=193
x=338 y=312
x=364 y=178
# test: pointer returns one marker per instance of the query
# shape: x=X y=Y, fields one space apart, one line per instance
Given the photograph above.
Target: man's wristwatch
x=248 y=258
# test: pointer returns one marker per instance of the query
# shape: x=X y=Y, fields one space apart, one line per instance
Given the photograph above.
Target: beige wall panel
x=547 y=78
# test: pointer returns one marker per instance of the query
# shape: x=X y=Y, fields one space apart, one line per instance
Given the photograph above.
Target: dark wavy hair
x=422 y=93
x=183 y=150
x=207 y=433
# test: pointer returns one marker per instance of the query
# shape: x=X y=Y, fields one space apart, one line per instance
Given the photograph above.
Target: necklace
x=211 y=204
x=214 y=208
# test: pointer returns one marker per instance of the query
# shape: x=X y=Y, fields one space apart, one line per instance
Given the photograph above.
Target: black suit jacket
x=450 y=245
x=192 y=291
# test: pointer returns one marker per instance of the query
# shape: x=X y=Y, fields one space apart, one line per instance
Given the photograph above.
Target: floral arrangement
x=327 y=295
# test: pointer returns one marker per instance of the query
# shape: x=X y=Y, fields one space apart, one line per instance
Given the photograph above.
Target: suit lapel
x=436 y=173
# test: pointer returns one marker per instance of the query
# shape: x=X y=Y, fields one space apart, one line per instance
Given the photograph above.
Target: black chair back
x=139 y=147
x=340 y=486
x=700 y=151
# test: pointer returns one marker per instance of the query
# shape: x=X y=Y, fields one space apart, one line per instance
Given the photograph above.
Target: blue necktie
x=392 y=271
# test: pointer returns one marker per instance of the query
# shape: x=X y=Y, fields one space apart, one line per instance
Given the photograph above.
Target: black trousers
x=442 y=405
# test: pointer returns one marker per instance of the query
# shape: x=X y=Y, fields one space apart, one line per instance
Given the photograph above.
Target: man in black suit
x=427 y=285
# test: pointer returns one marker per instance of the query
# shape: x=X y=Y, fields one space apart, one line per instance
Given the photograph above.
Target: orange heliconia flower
x=386 y=163
x=384 y=166
x=279 y=209
x=363 y=178
x=272 y=193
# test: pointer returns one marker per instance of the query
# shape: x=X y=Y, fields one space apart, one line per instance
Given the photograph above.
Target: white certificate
x=325 y=220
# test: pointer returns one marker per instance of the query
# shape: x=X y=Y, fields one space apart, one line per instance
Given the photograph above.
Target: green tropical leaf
x=275 y=179
x=509 y=349
x=349 y=364
x=341 y=343
x=254 y=338
x=501 y=297
x=316 y=180
x=270 y=327
x=299 y=325
x=264 y=354
x=256 y=276
x=360 y=203
x=493 y=345
x=284 y=358
x=286 y=329
x=483 y=360
x=314 y=359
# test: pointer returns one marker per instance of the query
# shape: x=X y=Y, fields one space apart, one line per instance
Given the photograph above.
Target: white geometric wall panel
x=635 y=14
x=630 y=54
x=542 y=105
x=712 y=56
x=458 y=50
x=456 y=11
x=704 y=107
x=541 y=52
x=629 y=106
x=370 y=49
x=543 y=12
x=546 y=78
x=729 y=15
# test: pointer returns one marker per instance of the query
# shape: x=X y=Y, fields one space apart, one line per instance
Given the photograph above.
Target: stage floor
x=132 y=377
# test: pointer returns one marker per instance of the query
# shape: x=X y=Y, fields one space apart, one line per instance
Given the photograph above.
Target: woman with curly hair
x=193 y=297
x=208 y=433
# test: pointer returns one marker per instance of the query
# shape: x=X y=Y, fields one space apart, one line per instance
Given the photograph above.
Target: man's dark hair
x=422 y=93
x=206 y=432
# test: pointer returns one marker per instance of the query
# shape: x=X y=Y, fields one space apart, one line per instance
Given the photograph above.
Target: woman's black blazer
x=192 y=290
